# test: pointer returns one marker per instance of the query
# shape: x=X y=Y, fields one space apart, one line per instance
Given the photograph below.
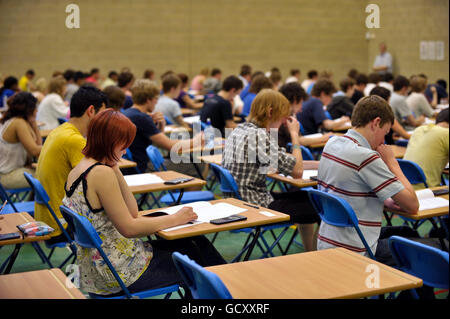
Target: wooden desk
x=188 y=112
x=123 y=163
x=343 y=127
x=8 y=224
x=44 y=133
x=296 y=182
x=169 y=129
x=325 y=274
x=166 y=175
x=254 y=218
x=214 y=159
x=40 y=284
x=399 y=151
x=320 y=145
x=426 y=214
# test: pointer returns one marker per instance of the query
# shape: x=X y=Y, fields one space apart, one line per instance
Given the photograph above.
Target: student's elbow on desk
x=407 y=201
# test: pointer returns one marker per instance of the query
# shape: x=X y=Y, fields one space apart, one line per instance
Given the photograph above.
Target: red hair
x=107 y=130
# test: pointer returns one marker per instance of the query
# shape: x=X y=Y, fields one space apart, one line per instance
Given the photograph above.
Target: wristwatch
x=296 y=146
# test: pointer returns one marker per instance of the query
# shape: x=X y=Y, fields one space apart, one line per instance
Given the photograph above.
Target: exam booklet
x=204 y=210
x=427 y=200
x=142 y=179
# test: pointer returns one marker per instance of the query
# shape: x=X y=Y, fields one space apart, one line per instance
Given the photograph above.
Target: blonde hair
x=41 y=85
x=418 y=84
x=266 y=100
x=57 y=84
x=143 y=90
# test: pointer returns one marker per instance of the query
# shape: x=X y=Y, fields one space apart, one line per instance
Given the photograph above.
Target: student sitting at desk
x=249 y=166
x=19 y=140
x=429 y=148
x=312 y=117
x=53 y=106
x=296 y=95
x=396 y=127
x=62 y=151
x=417 y=101
x=258 y=83
x=362 y=170
x=167 y=105
x=96 y=189
x=218 y=108
x=150 y=128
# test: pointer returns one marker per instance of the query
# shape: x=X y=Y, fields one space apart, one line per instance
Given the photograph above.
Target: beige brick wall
x=403 y=24
x=187 y=35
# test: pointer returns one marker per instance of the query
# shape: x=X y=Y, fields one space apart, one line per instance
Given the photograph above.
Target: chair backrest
x=227 y=181
x=5 y=197
x=41 y=197
x=202 y=283
x=86 y=236
x=337 y=212
x=168 y=122
x=62 y=120
x=156 y=158
x=413 y=172
x=423 y=261
x=306 y=154
x=129 y=156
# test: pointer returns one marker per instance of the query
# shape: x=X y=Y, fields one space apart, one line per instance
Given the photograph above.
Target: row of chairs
x=411 y=257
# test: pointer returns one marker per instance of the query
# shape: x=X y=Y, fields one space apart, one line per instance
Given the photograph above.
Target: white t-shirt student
x=51 y=107
x=418 y=103
x=169 y=108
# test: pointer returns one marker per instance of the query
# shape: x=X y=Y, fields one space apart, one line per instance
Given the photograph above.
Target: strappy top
x=14 y=155
x=129 y=256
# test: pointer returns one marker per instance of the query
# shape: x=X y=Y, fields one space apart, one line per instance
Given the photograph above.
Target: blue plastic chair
x=423 y=261
x=86 y=236
x=415 y=175
x=41 y=197
x=335 y=211
x=157 y=161
x=306 y=153
x=168 y=122
x=62 y=120
x=229 y=187
x=15 y=207
x=401 y=142
x=202 y=283
x=142 y=198
x=413 y=172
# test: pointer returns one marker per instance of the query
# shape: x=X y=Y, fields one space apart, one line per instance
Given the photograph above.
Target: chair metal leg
x=441 y=240
x=214 y=238
x=388 y=218
x=40 y=251
x=51 y=253
x=290 y=241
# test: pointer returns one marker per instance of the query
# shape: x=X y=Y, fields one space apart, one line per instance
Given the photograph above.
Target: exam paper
x=427 y=200
x=142 y=179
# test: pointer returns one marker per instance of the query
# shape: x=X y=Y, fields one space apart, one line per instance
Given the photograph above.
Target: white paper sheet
x=191 y=119
x=142 y=179
x=427 y=200
x=206 y=211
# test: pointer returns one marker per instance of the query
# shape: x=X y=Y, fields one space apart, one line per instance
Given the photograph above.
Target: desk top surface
x=324 y=274
x=39 y=284
x=254 y=218
x=424 y=214
x=9 y=223
x=166 y=175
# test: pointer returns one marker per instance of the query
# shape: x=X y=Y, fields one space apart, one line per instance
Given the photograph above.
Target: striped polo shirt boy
x=350 y=169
